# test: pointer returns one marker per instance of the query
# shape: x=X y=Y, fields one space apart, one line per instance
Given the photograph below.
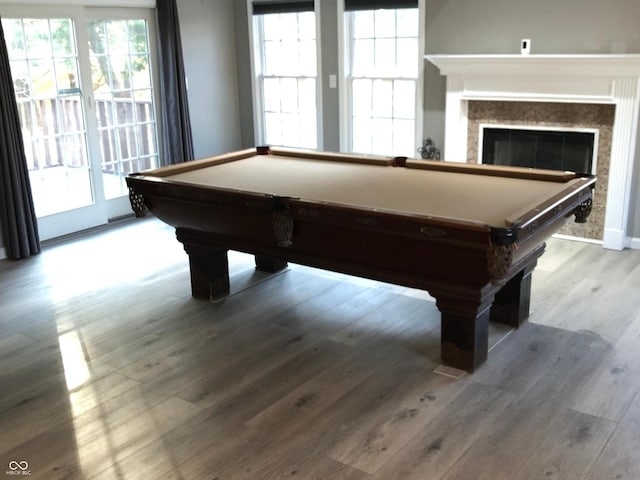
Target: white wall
x=569 y=26
x=497 y=26
x=208 y=42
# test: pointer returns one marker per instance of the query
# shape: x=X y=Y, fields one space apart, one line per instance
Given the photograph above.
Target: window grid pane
x=383 y=118
x=122 y=88
x=44 y=69
x=288 y=79
x=289 y=112
x=383 y=80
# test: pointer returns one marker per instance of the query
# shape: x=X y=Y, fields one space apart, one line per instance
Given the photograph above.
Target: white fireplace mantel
x=610 y=79
x=609 y=65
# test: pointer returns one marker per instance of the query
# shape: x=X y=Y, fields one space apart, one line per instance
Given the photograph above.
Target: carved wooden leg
x=208 y=264
x=465 y=333
x=268 y=264
x=209 y=274
x=511 y=305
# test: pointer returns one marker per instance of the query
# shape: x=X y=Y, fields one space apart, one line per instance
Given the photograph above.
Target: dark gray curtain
x=17 y=214
x=176 y=126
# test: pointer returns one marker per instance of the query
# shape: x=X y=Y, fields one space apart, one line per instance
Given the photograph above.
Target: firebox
x=554 y=149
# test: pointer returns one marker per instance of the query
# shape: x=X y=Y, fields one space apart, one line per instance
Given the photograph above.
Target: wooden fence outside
x=54 y=133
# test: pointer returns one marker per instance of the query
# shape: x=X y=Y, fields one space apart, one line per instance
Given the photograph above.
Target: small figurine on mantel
x=428 y=151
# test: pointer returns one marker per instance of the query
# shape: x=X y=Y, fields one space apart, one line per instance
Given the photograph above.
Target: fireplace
x=553 y=148
x=583 y=92
x=595 y=120
x=533 y=147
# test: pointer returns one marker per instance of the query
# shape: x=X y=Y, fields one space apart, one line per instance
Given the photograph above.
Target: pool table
x=468 y=234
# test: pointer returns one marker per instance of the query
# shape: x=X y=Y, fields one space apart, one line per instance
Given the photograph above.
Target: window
x=45 y=71
x=286 y=74
x=124 y=101
x=382 y=77
x=84 y=90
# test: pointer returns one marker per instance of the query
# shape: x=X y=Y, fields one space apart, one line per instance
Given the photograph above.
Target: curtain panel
x=177 y=140
x=17 y=213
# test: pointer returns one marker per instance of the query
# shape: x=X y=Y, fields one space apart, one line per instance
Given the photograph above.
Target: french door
x=84 y=89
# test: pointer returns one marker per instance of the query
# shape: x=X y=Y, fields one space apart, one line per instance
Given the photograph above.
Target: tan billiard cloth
x=457 y=196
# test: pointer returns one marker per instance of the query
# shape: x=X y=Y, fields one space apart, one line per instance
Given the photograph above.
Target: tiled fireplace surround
x=561 y=91
x=560 y=115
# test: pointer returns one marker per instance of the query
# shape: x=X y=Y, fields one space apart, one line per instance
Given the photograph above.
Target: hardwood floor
x=109 y=370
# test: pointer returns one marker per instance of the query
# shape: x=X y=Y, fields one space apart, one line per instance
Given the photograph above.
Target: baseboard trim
x=577 y=239
x=614 y=239
x=630 y=242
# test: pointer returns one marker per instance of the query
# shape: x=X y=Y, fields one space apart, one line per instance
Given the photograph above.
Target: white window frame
x=102 y=209
x=344 y=66
x=255 y=44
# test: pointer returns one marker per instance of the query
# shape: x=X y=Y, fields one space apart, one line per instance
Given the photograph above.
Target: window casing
x=382 y=58
x=286 y=79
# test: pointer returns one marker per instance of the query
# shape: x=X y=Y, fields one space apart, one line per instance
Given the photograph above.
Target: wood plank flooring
x=109 y=370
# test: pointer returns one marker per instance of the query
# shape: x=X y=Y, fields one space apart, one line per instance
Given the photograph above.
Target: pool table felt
x=466 y=197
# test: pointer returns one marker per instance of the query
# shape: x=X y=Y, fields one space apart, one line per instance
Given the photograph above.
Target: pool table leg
x=268 y=264
x=209 y=272
x=465 y=332
x=208 y=265
x=209 y=275
x=512 y=302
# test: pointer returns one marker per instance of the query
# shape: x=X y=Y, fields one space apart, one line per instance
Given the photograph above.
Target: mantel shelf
x=556 y=65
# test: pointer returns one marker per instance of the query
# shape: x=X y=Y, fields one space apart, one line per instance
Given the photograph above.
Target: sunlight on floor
x=113 y=419
x=76 y=370
x=73 y=268
x=83 y=397
x=104 y=438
